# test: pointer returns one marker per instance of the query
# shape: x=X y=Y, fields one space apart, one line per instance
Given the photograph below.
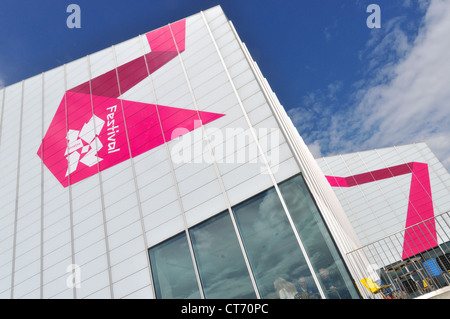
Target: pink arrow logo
x=101 y=138
x=420 y=228
x=92 y=130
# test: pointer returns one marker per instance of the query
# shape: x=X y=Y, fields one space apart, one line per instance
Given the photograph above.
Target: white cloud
x=406 y=3
x=405 y=97
x=414 y=104
x=314 y=148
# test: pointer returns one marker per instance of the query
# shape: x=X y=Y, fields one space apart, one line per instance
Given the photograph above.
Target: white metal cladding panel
x=131 y=284
x=8 y=160
x=286 y=169
x=381 y=214
x=169 y=83
x=120 y=238
x=87 y=207
x=159 y=196
x=207 y=79
x=101 y=62
x=126 y=272
x=26 y=277
x=354 y=164
x=161 y=230
x=94 y=283
x=204 y=210
x=333 y=166
x=56 y=224
x=389 y=156
x=142 y=92
x=197 y=182
x=129 y=50
x=27 y=249
x=122 y=211
x=143 y=293
x=439 y=178
x=259 y=113
x=104 y=293
x=242 y=78
x=164 y=194
x=407 y=153
x=153 y=179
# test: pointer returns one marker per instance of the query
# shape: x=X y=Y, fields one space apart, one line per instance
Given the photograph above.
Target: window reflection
x=273 y=251
x=317 y=241
x=173 y=271
x=220 y=261
x=276 y=260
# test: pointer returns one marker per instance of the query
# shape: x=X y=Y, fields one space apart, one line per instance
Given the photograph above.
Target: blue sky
x=347 y=87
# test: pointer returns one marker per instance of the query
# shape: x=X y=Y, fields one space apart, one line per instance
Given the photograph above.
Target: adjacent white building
x=396 y=198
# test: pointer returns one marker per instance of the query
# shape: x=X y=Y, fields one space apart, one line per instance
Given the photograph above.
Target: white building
x=163 y=167
x=396 y=198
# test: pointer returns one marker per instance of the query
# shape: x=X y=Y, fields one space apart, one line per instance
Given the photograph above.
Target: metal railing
x=407 y=264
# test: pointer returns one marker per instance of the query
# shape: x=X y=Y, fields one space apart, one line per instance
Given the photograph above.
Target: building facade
x=164 y=167
x=397 y=199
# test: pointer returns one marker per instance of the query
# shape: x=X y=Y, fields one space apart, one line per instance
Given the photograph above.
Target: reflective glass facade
x=275 y=256
x=220 y=261
x=173 y=270
x=317 y=241
x=270 y=242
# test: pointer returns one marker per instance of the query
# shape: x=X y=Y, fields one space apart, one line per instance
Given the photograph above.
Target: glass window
x=173 y=270
x=219 y=260
x=317 y=241
x=273 y=251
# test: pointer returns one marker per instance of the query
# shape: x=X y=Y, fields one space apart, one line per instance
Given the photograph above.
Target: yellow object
x=372 y=286
x=425 y=284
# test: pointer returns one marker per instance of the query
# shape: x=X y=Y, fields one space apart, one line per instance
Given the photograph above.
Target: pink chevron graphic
x=419 y=236
x=100 y=138
x=93 y=130
x=163 y=49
